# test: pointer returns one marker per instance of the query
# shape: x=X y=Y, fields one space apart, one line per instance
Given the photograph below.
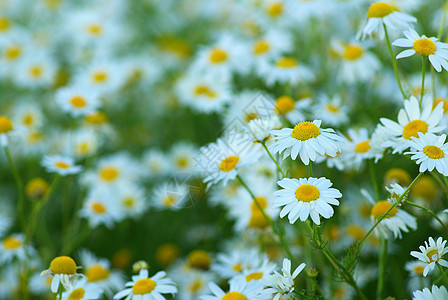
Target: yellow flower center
x=413 y=128
x=95 y=29
x=97 y=118
x=332 y=108
x=363 y=147
x=254 y=276
x=109 y=174
x=168 y=201
x=5 y=24
x=62 y=165
x=425 y=47
x=257 y=219
x=398 y=175
x=97 y=273
x=380 y=209
x=355 y=231
x=77 y=294
x=287 y=62
x=199 y=259
x=5 y=125
x=261 y=47
x=182 y=162
x=218 y=55
x=78 y=102
x=238 y=268
x=195 y=286
x=250 y=116
x=167 y=253
x=432 y=253
x=83 y=148
x=143 y=286
x=353 y=52
x=63 y=265
x=100 y=77
x=275 y=9
x=305 y=130
x=129 y=202
x=425 y=188
x=98 y=208
x=379 y=10
x=13 y=52
x=229 y=163
x=284 y=104
x=28 y=120
x=11 y=243
x=307 y=193
x=433 y=152
x=419 y=270
x=203 y=90
x=445 y=104
x=36 y=188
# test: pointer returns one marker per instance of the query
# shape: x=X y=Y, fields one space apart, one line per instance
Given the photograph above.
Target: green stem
x=381 y=268
x=20 y=191
x=441 y=271
x=268 y=220
x=423 y=79
x=310 y=170
x=442 y=276
x=392 y=207
x=273 y=159
x=80 y=236
x=374 y=181
x=394 y=62
x=428 y=211
x=442 y=23
x=433 y=84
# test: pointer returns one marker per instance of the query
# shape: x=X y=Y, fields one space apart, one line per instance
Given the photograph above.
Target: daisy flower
x=282 y=284
x=143 y=287
x=259 y=130
x=331 y=110
x=36 y=70
x=382 y=14
x=81 y=290
x=103 y=76
x=358 y=147
x=431 y=254
x=62 y=271
x=13 y=246
x=292 y=110
x=273 y=43
x=6 y=128
x=434 y=294
x=62 y=165
x=396 y=191
x=306 y=197
x=437 y=52
x=430 y=151
x=101 y=207
x=415 y=269
x=307 y=139
x=285 y=69
x=411 y=120
x=236 y=261
x=29 y=115
x=77 y=100
x=239 y=289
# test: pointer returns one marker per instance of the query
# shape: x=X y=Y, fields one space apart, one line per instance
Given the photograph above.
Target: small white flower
x=81 y=290
x=63 y=271
x=436 y=293
x=60 y=164
x=431 y=152
x=432 y=254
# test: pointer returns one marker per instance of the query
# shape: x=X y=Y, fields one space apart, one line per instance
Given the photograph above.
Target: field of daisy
x=223 y=150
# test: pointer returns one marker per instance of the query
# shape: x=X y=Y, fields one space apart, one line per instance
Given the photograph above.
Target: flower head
x=431 y=254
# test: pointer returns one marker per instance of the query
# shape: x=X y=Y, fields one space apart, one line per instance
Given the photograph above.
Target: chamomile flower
x=103 y=76
x=29 y=115
x=306 y=197
x=259 y=130
x=282 y=284
x=437 y=52
x=307 y=139
x=273 y=43
x=331 y=110
x=435 y=293
x=62 y=271
x=77 y=100
x=143 y=287
x=85 y=142
x=36 y=70
x=431 y=254
x=430 y=151
x=101 y=207
x=63 y=165
x=358 y=148
x=6 y=129
x=396 y=191
x=411 y=120
x=131 y=199
x=13 y=246
x=239 y=289
x=285 y=69
x=155 y=162
x=232 y=263
x=182 y=157
x=82 y=290
x=415 y=269
x=292 y=110
x=382 y=14
x=170 y=196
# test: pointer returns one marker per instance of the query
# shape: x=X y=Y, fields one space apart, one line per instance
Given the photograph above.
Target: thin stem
x=310 y=170
x=373 y=178
x=19 y=185
x=382 y=261
x=273 y=159
x=433 y=84
x=394 y=61
x=428 y=211
x=423 y=79
x=442 y=23
x=390 y=208
x=441 y=271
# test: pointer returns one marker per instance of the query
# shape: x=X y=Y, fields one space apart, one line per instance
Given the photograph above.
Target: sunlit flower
x=62 y=165
x=62 y=271
x=82 y=290
x=435 y=293
x=431 y=254
x=430 y=151
x=239 y=289
x=77 y=100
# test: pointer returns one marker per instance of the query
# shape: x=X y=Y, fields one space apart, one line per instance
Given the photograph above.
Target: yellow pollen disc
x=433 y=152
x=254 y=276
x=36 y=71
x=287 y=62
x=36 y=188
x=77 y=294
x=28 y=119
x=363 y=147
x=61 y=165
x=95 y=29
x=425 y=47
x=201 y=90
x=195 y=286
x=63 y=265
x=229 y=163
x=431 y=253
x=262 y=201
x=238 y=268
x=413 y=128
x=98 y=208
x=250 y=116
x=5 y=24
x=261 y=47
x=199 y=259
x=398 y=175
x=275 y=9
x=35 y=137
x=109 y=174
x=167 y=253
x=353 y=52
x=379 y=10
x=445 y=104
x=355 y=232
x=305 y=130
x=425 y=188
x=307 y=193
x=129 y=202
x=182 y=162
x=233 y=296
x=84 y=148
x=332 y=108
x=168 y=201
x=143 y=286
x=97 y=273
x=5 y=125
x=99 y=77
x=13 y=52
x=78 y=102
x=11 y=243
x=419 y=270
x=284 y=104
x=257 y=220
x=218 y=56
x=97 y=118
x=380 y=209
